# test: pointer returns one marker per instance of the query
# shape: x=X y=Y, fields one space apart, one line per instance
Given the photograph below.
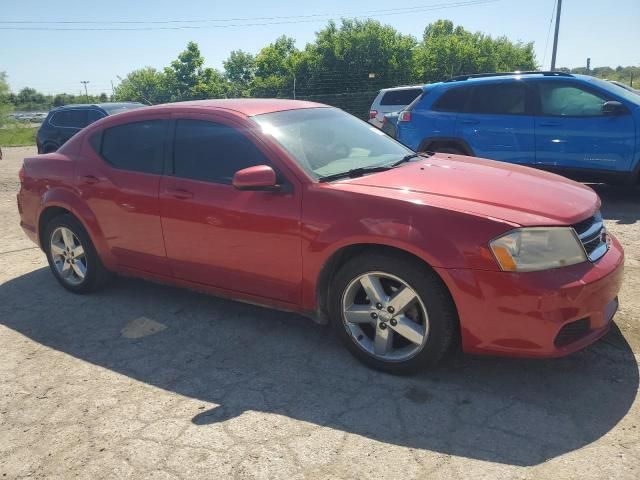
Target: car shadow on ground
x=619 y=203
x=245 y=358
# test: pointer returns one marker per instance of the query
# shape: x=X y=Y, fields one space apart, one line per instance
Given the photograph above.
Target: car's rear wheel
x=392 y=313
x=72 y=256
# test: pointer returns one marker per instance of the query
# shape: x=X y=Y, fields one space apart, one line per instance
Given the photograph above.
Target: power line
x=281 y=20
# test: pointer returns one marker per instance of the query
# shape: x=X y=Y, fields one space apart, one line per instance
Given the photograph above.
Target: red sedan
x=303 y=207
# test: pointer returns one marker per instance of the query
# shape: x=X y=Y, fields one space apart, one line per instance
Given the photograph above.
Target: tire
x=431 y=313
x=67 y=263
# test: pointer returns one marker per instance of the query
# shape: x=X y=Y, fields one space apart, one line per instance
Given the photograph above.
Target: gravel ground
x=149 y=381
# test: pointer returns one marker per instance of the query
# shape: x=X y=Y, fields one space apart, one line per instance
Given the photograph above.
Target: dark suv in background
x=62 y=123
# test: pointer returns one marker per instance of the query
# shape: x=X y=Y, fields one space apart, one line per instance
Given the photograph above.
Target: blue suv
x=576 y=125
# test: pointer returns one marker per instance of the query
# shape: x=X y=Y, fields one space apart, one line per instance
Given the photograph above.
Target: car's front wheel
x=392 y=312
x=72 y=256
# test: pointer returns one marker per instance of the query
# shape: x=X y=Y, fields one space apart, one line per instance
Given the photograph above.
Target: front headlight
x=538 y=248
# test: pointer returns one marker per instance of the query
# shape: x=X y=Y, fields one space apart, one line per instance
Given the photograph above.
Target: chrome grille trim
x=592 y=235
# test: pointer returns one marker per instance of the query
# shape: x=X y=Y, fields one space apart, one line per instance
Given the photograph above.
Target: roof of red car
x=248 y=106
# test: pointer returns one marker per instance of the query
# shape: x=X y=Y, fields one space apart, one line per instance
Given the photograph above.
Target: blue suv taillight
x=405 y=116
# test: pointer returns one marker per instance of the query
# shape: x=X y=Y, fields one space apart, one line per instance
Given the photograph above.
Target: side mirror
x=260 y=177
x=613 y=108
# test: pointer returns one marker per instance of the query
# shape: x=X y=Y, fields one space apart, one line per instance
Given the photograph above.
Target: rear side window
x=75 y=118
x=136 y=146
x=453 y=100
x=94 y=115
x=400 y=97
x=212 y=152
x=499 y=99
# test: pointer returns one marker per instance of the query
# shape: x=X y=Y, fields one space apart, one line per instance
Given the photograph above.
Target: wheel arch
x=59 y=202
x=456 y=142
x=341 y=255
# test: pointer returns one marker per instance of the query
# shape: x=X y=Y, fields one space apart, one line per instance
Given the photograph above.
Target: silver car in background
x=391 y=100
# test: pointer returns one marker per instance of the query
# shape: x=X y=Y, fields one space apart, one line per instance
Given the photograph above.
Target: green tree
x=274 y=69
x=240 y=70
x=358 y=56
x=146 y=85
x=5 y=104
x=446 y=51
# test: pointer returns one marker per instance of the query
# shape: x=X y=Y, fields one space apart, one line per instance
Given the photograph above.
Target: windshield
x=327 y=141
x=618 y=90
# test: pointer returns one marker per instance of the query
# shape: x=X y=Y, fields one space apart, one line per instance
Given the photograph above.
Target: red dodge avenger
x=302 y=207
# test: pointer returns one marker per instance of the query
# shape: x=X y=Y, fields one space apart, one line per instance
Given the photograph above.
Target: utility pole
x=85 y=89
x=555 y=36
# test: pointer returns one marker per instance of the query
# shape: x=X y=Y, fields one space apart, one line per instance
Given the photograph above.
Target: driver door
x=239 y=241
x=573 y=132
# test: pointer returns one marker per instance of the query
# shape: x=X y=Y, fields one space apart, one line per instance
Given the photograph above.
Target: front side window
x=568 y=100
x=136 y=146
x=75 y=118
x=327 y=141
x=499 y=99
x=212 y=152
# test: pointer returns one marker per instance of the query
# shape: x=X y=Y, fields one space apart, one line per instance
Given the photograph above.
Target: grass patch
x=18 y=136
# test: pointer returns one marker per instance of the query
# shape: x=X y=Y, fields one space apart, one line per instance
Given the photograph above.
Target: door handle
x=89 y=179
x=549 y=124
x=469 y=122
x=179 y=193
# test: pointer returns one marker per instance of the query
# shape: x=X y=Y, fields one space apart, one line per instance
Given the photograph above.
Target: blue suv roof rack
x=502 y=74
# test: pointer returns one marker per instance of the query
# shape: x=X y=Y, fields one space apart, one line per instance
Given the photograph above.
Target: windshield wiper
x=411 y=156
x=355 y=172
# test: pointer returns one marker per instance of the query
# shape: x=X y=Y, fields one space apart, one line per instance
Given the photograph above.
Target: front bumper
x=528 y=314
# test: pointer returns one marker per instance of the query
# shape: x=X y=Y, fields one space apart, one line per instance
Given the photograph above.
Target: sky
x=55 y=61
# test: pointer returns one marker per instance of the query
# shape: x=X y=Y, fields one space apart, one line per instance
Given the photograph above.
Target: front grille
x=571 y=332
x=593 y=235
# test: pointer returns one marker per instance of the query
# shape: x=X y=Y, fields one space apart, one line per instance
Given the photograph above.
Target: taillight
x=404 y=116
x=21 y=174
x=373 y=114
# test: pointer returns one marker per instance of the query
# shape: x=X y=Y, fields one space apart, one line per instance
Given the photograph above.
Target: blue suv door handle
x=469 y=122
x=549 y=124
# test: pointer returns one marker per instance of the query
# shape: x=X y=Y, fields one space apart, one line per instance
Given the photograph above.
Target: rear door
x=573 y=132
x=498 y=122
x=119 y=179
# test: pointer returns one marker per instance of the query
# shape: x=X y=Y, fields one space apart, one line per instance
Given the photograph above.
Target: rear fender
x=69 y=200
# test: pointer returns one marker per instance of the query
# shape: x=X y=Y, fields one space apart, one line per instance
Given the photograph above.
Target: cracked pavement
x=150 y=381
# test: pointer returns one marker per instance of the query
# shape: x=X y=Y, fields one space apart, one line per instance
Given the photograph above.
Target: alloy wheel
x=385 y=316
x=68 y=256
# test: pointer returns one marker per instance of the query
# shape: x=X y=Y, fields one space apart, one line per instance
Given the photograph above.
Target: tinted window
x=94 y=115
x=499 y=99
x=70 y=118
x=135 y=146
x=400 y=97
x=568 y=100
x=452 y=100
x=212 y=152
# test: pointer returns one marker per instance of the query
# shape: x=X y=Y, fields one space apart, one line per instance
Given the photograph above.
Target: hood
x=516 y=194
